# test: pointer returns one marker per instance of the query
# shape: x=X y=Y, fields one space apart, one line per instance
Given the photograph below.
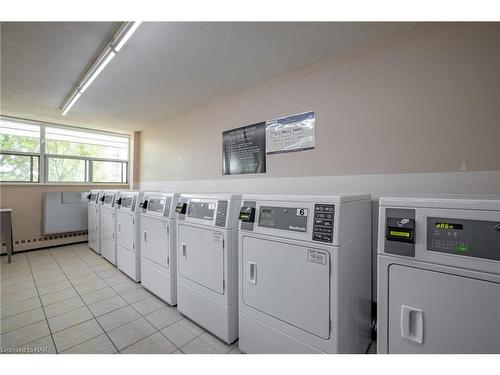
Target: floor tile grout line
x=154 y=333
x=43 y=309
x=129 y=304
x=91 y=312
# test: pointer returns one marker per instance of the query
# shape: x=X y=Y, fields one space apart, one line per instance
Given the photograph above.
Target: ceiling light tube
x=120 y=38
x=71 y=102
x=98 y=68
x=125 y=34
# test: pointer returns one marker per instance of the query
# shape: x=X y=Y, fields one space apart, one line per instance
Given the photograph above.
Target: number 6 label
x=301 y=211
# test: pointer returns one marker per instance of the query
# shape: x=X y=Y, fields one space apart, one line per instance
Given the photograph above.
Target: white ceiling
x=166 y=68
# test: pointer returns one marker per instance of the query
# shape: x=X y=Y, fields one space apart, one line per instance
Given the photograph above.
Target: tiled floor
x=71 y=300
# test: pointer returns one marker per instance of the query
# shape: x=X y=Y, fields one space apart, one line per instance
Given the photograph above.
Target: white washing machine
x=109 y=202
x=94 y=220
x=304 y=274
x=439 y=275
x=158 y=245
x=207 y=275
x=128 y=226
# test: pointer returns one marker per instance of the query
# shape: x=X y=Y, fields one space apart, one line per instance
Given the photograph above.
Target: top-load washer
x=304 y=274
x=439 y=275
x=108 y=205
x=94 y=220
x=158 y=245
x=207 y=276
x=128 y=226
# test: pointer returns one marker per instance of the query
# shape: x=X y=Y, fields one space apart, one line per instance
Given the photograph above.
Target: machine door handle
x=252 y=272
x=412 y=324
x=184 y=256
x=168 y=262
x=119 y=227
x=145 y=236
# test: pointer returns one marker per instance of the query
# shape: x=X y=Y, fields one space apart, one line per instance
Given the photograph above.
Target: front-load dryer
x=439 y=275
x=94 y=220
x=158 y=245
x=108 y=204
x=128 y=226
x=304 y=274
x=207 y=278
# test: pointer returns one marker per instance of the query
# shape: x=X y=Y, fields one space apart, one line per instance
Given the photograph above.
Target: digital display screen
x=402 y=234
x=201 y=210
x=448 y=226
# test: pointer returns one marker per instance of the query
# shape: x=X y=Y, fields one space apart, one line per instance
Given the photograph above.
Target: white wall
x=418 y=112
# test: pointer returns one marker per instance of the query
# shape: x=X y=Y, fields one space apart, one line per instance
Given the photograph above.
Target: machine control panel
x=220 y=218
x=108 y=199
x=471 y=238
x=154 y=204
x=323 y=222
x=127 y=201
x=400 y=229
x=201 y=210
x=181 y=208
x=168 y=203
x=287 y=218
x=400 y=232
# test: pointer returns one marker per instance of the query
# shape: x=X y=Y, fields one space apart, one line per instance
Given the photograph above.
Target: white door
x=288 y=282
x=200 y=256
x=155 y=240
x=107 y=222
x=434 y=312
x=125 y=230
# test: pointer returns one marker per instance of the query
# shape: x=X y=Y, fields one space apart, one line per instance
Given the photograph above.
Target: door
x=434 y=312
x=201 y=256
x=288 y=282
x=155 y=240
x=125 y=229
x=107 y=222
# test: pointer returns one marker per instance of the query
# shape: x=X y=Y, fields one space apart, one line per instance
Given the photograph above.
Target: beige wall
x=26 y=202
x=423 y=102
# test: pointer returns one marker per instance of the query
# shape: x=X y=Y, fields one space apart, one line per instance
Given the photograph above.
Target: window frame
x=43 y=157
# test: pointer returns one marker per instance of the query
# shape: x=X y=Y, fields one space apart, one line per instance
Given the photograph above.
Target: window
x=19 y=151
x=32 y=152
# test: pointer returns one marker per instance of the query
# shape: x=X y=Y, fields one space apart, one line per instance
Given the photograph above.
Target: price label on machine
x=301 y=211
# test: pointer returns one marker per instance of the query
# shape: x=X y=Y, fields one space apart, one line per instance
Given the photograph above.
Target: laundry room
x=285 y=185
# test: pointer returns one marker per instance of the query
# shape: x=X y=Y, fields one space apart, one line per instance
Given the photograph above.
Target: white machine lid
x=336 y=198
x=451 y=201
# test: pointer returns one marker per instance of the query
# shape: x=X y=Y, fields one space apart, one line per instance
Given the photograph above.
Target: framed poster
x=244 y=150
x=291 y=133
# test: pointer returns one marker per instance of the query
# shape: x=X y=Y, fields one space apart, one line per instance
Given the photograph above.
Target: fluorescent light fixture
x=119 y=39
x=71 y=102
x=99 y=68
x=122 y=39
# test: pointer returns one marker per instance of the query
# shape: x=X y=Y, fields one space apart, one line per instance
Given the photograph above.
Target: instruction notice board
x=291 y=133
x=244 y=150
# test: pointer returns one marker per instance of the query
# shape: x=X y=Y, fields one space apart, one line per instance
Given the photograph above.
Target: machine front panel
x=107 y=222
x=471 y=238
x=288 y=282
x=286 y=218
x=125 y=230
x=200 y=256
x=437 y=312
x=155 y=240
x=108 y=200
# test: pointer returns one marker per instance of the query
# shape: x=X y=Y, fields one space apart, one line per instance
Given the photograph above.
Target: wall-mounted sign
x=244 y=150
x=292 y=133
